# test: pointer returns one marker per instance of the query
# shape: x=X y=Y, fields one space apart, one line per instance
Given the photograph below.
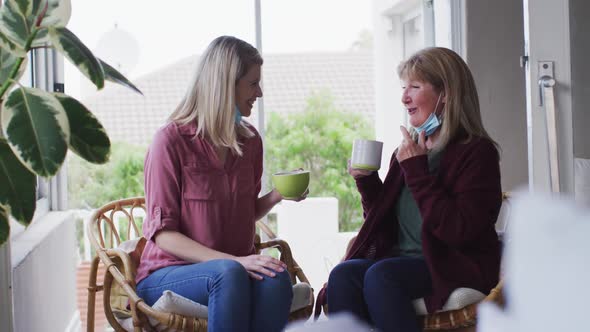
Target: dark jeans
x=380 y=292
x=235 y=301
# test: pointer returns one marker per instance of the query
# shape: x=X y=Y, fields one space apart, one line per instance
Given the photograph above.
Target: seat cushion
x=302 y=296
x=174 y=303
x=458 y=299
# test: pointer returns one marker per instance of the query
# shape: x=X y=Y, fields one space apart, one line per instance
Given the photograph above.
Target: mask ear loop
x=441 y=113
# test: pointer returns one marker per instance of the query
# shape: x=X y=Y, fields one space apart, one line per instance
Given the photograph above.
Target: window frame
x=45 y=71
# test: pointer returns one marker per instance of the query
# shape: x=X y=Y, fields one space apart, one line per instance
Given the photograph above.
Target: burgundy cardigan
x=459 y=205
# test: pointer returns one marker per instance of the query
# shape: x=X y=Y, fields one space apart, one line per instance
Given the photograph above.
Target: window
x=44 y=70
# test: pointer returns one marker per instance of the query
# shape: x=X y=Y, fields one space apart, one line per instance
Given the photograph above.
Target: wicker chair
x=463 y=319
x=115 y=222
x=466 y=318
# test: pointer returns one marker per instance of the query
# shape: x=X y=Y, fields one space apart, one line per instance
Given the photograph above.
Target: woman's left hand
x=408 y=148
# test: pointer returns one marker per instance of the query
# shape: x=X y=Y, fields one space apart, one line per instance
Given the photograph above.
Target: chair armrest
x=497 y=294
x=293 y=268
x=266 y=229
x=139 y=309
x=282 y=246
x=127 y=281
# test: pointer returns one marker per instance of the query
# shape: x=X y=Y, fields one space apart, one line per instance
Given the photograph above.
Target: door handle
x=547 y=100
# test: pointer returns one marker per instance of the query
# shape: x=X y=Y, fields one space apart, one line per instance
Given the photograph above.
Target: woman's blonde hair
x=448 y=74
x=211 y=98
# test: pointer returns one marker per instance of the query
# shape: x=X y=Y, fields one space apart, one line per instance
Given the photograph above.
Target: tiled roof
x=289 y=79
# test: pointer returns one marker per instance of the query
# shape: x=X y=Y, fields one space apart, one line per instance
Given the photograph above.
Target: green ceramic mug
x=291 y=185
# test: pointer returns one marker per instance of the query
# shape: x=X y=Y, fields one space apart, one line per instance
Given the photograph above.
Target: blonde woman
x=202 y=179
x=429 y=226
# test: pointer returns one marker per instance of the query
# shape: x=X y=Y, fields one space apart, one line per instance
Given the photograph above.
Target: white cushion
x=339 y=322
x=458 y=299
x=302 y=296
x=174 y=303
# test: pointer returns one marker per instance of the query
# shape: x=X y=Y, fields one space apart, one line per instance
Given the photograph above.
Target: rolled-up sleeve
x=162 y=172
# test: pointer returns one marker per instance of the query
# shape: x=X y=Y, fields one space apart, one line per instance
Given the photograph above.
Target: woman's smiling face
x=420 y=100
x=248 y=90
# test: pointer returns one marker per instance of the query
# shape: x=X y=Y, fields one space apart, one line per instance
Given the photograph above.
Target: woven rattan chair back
x=108 y=227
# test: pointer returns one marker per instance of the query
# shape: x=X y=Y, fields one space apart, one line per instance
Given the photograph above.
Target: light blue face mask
x=432 y=123
x=238 y=115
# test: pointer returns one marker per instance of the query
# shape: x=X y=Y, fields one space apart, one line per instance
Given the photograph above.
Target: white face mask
x=432 y=123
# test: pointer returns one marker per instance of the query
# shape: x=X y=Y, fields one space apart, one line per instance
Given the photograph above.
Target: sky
x=144 y=35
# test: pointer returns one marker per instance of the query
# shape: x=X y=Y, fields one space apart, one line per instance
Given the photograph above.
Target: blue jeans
x=235 y=301
x=380 y=292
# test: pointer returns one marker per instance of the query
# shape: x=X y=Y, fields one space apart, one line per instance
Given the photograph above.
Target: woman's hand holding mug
x=357 y=173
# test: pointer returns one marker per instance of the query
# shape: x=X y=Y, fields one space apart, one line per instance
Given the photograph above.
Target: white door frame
x=547 y=38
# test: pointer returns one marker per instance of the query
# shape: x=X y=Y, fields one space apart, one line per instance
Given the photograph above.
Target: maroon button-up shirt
x=189 y=190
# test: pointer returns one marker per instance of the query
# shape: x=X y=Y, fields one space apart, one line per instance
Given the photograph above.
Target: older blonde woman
x=202 y=179
x=429 y=226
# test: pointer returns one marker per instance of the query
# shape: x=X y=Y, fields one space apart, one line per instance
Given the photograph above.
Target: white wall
x=311 y=229
x=494 y=41
x=44 y=259
x=580 y=53
x=388 y=48
x=5 y=288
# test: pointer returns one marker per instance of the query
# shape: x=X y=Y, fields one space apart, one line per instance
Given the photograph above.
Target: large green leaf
x=68 y=44
x=38 y=11
x=37 y=129
x=14 y=23
x=10 y=46
x=88 y=138
x=24 y=7
x=111 y=74
x=7 y=62
x=58 y=12
x=4 y=228
x=41 y=39
x=18 y=185
x=19 y=17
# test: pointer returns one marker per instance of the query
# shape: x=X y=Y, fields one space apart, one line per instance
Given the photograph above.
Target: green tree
x=320 y=140
x=91 y=186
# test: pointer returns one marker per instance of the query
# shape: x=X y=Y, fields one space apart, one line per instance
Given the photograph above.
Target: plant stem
x=15 y=69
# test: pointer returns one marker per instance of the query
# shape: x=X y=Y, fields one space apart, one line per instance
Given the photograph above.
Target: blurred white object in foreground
x=546 y=268
x=337 y=323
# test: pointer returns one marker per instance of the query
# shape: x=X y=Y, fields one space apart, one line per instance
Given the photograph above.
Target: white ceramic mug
x=366 y=154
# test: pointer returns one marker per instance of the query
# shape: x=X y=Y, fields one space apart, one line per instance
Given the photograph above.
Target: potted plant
x=38 y=127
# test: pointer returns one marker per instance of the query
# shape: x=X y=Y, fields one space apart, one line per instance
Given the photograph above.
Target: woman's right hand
x=261 y=264
x=357 y=173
